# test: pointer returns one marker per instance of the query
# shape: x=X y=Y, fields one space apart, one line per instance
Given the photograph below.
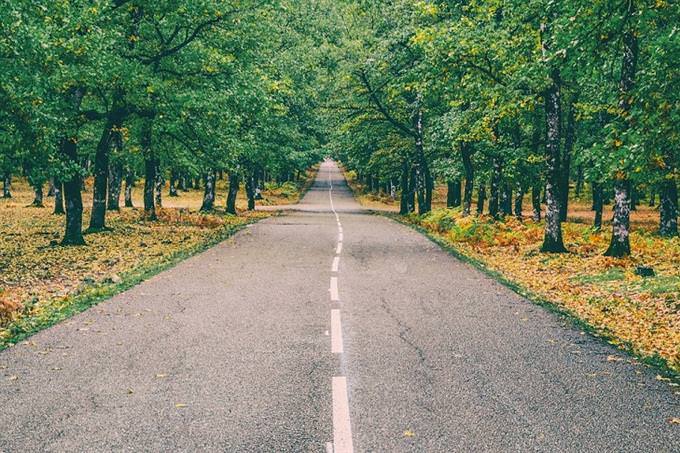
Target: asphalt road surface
x=326 y=329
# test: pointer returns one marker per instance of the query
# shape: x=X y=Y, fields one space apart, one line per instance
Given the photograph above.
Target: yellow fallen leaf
x=613 y=358
x=409 y=433
x=180 y=405
x=661 y=378
x=674 y=421
x=161 y=375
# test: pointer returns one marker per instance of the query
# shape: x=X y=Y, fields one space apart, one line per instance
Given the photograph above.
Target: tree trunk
x=481 y=199
x=50 y=187
x=494 y=199
x=536 y=202
x=668 y=208
x=115 y=184
x=250 y=190
x=412 y=190
x=150 y=166
x=101 y=177
x=552 y=241
x=38 y=196
x=506 y=199
x=453 y=193
x=159 y=182
x=129 y=184
x=569 y=136
x=173 y=184
x=598 y=203
x=466 y=156
x=73 y=234
x=234 y=182
x=183 y=186
x=58 y=197
x=579 y=180
x=403 y=201
x=209 y=192
x=7 y=185
x=519 y=200
x=620 y=243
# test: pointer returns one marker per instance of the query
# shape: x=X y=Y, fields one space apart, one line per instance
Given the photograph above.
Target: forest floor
x=42 y=282
x=638 y=314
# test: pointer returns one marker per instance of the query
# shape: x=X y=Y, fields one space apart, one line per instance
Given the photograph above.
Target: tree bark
x=7 y=185
x=250 y=190
x=466 y=151
x=598 y=204
x=506 y=199
x=569 y=136
x=536 y=202
x=115 y=184
x=129 y=184
x=38 y=196
x=668 y=208
x=481 y=199
x=234 y=182
x=519 y=200
x=73 y=234
x=58 y=197
x=453 y=193
x=494 y=199
x=620 y=243
x=552 y=241
x=579 y=180
x=209 y=192
x=101 y=175
x=158 y=185
x=403 y=201
x=173 y=183
x=150 y=166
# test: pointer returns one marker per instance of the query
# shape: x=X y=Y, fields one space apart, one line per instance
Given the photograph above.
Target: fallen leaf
x=674 y=421
x=409 y=433
x=180 y=405
x=613 y=358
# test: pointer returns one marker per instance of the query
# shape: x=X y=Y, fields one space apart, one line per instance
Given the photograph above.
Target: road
x=326 y=329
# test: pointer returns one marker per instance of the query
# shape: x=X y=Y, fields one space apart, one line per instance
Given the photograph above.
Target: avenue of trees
x=500 y=99
x=506 y=98
x=132 y=92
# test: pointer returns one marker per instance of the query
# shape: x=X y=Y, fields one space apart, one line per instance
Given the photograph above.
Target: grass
x=42 y=283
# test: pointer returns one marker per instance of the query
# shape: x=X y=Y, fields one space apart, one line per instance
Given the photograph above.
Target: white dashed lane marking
x=336 y=333
x=342 y=429
x=334 y=289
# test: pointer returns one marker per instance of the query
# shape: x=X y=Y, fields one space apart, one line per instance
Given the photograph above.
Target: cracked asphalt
x=229 y=351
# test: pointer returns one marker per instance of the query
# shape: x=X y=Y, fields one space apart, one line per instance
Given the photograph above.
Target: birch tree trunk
x=552 y=241
x=7 y=185
x=620 y=243
x=466 y=151
x=209 y=192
